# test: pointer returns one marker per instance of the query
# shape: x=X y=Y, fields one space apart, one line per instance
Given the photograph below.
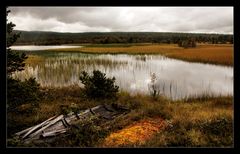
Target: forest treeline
x=55 y=38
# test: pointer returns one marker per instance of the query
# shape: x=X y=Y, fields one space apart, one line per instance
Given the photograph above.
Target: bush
x=98 y=86
x=219 y=131
x=19 y=92
x=85 y=133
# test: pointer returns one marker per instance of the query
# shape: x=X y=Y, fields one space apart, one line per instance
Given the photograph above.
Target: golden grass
x=189 y=121
x=34 y=59
x=205 y=53
x=146 y=49
x=198 y=110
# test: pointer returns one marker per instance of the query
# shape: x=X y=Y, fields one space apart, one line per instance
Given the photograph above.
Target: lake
x=42 y=47
x=175 y=79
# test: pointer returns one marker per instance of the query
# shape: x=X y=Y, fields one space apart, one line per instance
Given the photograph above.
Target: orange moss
x=135 y=134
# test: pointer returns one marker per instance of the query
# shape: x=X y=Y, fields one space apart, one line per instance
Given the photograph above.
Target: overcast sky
x=125 y=19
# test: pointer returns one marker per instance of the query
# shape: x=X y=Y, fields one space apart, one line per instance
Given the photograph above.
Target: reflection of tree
x=142 y=58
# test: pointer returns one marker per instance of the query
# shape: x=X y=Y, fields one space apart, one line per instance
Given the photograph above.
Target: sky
x=124 y=19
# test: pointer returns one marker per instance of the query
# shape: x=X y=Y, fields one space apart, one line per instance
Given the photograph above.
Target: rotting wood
x=57 y=125
x=23 y=131
x=53 y=133
x=108 y=108
x=28 y=129
x=37 y=126
x=50 y=123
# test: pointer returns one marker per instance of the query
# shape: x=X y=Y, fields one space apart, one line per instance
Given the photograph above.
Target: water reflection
x=41 y=47
x=175 y=79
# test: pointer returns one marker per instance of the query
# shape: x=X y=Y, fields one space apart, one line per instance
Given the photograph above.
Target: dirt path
x=135 y=134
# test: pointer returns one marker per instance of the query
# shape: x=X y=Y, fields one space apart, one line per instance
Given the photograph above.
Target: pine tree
x=15 y=60
x=18 y=92
x=98 y=85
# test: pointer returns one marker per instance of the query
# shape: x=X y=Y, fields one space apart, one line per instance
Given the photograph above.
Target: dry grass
x=196 y=123
x=193 y=121
x=34 y=59
x=199 y=110
x=205 y=53
x=145 y=49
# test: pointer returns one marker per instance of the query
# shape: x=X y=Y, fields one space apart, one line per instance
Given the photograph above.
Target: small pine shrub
x=98 y=85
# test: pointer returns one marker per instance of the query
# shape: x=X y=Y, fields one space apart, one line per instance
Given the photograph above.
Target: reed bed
x=204 y=53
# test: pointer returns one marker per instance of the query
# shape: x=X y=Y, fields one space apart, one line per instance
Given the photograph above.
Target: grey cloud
x=80 y=19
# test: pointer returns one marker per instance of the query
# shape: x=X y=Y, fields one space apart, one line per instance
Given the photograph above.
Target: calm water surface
x=41 y=47
x=175 y=79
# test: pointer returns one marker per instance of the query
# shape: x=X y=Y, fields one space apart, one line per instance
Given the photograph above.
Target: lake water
x=42 y=47
x=174 y=78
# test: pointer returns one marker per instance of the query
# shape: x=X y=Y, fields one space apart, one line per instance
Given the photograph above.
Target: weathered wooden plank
x=54 y=133
x=60 y=124
x=50 y=123
x=55 y=126
x=94 y=109
x=71 y=119
x=109 y=108
x=85 y=114
x=23 y=131
x=65 y=123
x=37 y=126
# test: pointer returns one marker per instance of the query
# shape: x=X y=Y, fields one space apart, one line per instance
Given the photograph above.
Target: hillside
x=55 y=38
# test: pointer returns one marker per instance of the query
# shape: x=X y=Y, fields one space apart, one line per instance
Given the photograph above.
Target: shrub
x=19 y=92
x=87 y=133
x=98 y=86
x=219 y=131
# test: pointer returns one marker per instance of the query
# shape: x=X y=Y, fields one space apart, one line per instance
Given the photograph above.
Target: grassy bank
x=34 y=59
x=196 y=122
x=204 y=53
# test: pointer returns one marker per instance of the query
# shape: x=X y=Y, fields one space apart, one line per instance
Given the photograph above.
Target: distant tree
x=231 y=40
x=130 y=40
x=187 y=43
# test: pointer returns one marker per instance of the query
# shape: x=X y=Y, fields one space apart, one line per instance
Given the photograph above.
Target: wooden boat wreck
x=57 y=125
